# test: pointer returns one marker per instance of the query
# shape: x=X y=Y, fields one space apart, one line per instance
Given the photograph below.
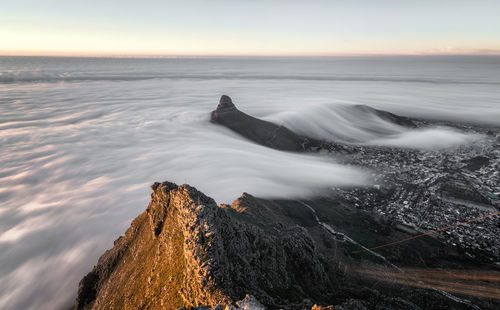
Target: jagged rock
x=184 y=250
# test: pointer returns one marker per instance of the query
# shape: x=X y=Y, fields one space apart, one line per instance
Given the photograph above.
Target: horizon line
x=166 y=56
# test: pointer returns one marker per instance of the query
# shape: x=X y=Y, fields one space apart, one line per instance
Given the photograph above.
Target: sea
x=82 y=139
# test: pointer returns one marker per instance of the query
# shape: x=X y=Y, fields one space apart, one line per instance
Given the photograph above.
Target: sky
x=248 y=27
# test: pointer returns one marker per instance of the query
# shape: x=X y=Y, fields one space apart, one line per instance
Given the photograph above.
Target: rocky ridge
x=257 y=130
x=219 y=259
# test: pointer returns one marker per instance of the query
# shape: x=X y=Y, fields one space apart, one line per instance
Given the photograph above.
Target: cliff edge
x=184 y=250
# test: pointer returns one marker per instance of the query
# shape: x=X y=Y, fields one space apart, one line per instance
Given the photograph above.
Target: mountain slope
x=184 y=250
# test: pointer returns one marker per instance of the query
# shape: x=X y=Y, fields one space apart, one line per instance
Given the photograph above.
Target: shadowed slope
x=257 y=130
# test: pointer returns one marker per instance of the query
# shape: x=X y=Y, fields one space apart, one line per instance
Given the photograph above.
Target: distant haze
x=228 y=27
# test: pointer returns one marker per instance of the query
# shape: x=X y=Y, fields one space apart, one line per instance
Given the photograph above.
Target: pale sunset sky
x=252 y=27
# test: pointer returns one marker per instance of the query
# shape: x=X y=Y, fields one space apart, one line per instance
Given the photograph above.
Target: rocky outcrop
x=184 y=250
x=257 y=130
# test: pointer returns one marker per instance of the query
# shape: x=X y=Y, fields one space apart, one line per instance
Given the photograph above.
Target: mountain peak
x=225 y=102
x=184 y=250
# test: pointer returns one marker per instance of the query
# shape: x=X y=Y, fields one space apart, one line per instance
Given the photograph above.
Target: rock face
x=184 y=250
x=257 y=130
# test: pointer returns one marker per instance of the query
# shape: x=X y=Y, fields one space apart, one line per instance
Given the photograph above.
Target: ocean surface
x=81 y=140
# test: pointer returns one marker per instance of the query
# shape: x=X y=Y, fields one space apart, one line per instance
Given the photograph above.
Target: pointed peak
x=225 y=102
